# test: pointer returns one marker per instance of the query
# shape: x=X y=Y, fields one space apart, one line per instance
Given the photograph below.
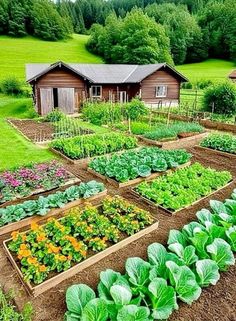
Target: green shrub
x=187 y=85
x=204 y=83
x=54 y=116
x=102 y=113
x=11 y=86
x=220 y=98
x=135 y=109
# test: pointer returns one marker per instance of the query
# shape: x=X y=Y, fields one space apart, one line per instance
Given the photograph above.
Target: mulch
x=216 y=303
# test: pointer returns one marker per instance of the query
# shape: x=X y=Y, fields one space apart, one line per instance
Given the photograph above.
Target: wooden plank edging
x=52 y=282
x=137 y=180
x=171 y=213
x=215 y=151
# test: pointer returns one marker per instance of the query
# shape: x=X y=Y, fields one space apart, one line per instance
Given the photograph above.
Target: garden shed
x=68 y=85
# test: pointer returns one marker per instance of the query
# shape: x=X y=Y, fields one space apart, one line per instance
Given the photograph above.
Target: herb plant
x=222 y=142
x=183 y=187
x=94 y=145
x=173 y=130
x=150 y=290
x=44 y=204
x=132 y=164
x=61 y=243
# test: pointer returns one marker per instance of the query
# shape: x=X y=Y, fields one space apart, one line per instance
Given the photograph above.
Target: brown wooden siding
x=60 y=78
x=131 y=89
x=160 y=77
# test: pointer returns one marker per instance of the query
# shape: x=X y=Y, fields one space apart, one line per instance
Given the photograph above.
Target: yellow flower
x=32 y=260
x=34 y=227
x=14 y=235
x=42 y=268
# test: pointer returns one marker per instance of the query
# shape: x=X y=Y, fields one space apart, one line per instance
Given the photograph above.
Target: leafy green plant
x=149 y=290
x=173 y=130
x=93 y=145
x=11 y=86
x=222 y=142
x=132 y=164
x=54 y=116
x=7 y=309
x=183 y=187
x=135 y=109
x=44 y=204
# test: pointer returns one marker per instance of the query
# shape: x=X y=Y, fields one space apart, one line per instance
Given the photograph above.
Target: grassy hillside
x=16 y=52
x=214 y=69
x=14 y=149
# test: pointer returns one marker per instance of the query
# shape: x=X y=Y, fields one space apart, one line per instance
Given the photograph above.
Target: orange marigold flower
x=42 y=268
x=23 y=237
x=14 y=235
x=69 y=257
x=83 y=253
x=34 y=227
x=25 y=253
x=23 y=246
x=41 y=237
x=32 y=260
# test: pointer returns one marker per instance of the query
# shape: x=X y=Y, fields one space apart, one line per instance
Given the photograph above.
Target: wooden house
x=68 y=85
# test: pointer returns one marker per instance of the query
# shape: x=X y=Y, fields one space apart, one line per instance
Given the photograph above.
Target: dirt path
x=215 y=304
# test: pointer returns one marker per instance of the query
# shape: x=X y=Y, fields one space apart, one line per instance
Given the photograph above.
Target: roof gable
x=101 y=73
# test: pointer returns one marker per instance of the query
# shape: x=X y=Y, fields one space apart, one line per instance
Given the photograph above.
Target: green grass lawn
x=16 y=52
x=15 y=150
x=214 y=69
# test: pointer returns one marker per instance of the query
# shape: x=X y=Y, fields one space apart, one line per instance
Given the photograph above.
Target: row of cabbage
x=151 y=289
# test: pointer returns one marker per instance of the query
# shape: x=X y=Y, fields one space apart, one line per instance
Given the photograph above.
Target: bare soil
x=216 y=303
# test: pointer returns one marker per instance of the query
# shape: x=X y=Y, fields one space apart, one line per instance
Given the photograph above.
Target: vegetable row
x=173 y=130
x=24 y=181
x=61 y=243
x=44 y=204
x=150 y=290
x=140 y=163
x=221 y=142
x=93 y=145
x=184 y=186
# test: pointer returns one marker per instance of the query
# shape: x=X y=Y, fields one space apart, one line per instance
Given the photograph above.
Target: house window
x=96 y=91
x=161 y=91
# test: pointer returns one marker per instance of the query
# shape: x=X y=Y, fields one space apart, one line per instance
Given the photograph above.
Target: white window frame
x=96 y=96
x=165 y=91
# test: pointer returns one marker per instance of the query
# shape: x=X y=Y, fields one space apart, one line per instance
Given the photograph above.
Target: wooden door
x=66 y=100
x=46 y=99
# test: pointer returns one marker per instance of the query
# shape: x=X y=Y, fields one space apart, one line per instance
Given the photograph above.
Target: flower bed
x=60 y=244
x=93 y=145
x=182 y=188
x=33 y=179
x=220 y=142
x=20 y=215
x=150 y=289
x=130 y=165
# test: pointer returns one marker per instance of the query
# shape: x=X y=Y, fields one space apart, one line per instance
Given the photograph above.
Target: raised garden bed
x=24 y=182
x=174 y=197
x=40 y=131
x=183 y=137
x=85 y=147
x=56 y=233
x=215 y=151
x=56 y=210
x=144 y=164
